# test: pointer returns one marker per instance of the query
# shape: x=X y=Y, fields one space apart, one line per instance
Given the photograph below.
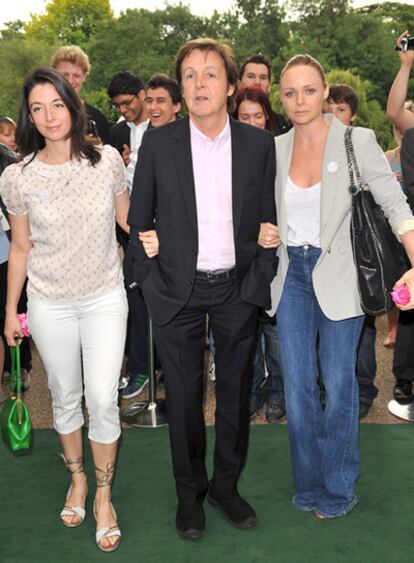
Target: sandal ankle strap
x=69 y=462
x=108 y=475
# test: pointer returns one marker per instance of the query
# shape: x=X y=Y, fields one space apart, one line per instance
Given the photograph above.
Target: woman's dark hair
x=255 y=94
x=28 y=138
x=342 y=93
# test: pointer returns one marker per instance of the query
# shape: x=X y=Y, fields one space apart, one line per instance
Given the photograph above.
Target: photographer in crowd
x=403 y=119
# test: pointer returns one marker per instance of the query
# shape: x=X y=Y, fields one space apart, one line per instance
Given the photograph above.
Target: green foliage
x=13 y=30
x=18 y=58
x=370 y=114
x=359 y=43
x=261 y=28
x=99 y=99
x=69 y=22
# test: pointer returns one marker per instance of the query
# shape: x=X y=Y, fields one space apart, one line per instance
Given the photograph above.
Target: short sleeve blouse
x=71 y=210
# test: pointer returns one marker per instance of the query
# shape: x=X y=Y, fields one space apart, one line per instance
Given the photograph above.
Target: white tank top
x=303 y=207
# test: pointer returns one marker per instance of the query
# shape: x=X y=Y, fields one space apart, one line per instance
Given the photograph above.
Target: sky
x=21 y=9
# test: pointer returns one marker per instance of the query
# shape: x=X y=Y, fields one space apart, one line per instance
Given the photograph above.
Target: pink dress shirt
x=212 y=163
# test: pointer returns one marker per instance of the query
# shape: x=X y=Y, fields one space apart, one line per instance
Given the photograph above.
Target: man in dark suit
x=205 y=183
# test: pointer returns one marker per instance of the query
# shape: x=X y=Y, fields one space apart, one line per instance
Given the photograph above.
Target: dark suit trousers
x=136 y=347
x=403 y=363
x=181 y=347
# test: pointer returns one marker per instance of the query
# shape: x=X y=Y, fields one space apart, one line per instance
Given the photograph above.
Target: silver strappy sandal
x=113 y=531
x=78 y=511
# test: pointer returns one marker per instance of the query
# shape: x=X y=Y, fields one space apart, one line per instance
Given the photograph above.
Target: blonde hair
x=74 y=55
x=306 y=60
x=6 y=122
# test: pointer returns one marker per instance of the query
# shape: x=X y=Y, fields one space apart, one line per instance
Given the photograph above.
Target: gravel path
x=39 y=403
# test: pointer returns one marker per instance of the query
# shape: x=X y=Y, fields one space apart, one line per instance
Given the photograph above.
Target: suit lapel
x=333 y=160
x=184 y=163
x=238 y=171
x=284 y=148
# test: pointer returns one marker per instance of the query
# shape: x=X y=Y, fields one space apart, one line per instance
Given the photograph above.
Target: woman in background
x=8 y=133
x=252 y=106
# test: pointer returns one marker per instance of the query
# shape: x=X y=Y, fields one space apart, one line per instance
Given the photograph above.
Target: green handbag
x=16 y=427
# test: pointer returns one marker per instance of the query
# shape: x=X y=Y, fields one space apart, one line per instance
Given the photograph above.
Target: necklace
x=65 y=169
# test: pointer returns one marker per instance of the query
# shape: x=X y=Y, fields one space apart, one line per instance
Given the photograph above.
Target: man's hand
x=408 y=280
x=150 y=242
x=126 y=154
x=268 y=236
x=406 y=57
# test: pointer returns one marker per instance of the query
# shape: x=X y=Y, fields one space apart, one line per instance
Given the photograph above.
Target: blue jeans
x=323 y=443
x=267 y=356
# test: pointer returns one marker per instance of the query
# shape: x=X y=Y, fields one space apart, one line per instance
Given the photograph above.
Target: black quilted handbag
x=378 y=255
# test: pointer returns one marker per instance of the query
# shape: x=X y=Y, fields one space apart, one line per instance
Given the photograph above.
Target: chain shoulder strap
x=354 y=174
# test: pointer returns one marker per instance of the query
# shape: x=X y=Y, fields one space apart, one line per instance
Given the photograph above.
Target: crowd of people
x=232 y=217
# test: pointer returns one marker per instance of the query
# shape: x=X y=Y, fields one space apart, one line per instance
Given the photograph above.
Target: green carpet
x=379 y=530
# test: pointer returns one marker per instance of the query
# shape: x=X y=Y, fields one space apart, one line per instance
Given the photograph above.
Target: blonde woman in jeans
x=63 y=198
x=315 y=293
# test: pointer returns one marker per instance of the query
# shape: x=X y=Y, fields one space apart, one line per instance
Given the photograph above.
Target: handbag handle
x=354 y=174
x=16 y=373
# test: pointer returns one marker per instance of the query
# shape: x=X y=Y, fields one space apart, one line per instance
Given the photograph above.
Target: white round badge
x=332 y=166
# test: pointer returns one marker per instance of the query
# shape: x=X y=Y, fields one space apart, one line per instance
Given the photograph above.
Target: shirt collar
x=142 y=125
x=223 y=135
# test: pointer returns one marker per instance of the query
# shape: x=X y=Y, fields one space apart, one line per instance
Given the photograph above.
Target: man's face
x=131 y=107
x=161 y=108
x=74 y=74
x=256 y=75
x=204 y=85
x=342 y=111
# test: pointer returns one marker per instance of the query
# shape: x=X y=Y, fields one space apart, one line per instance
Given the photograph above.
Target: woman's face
x=303 y=92
x=8 y=136
x=252 y=113
x=49 y=114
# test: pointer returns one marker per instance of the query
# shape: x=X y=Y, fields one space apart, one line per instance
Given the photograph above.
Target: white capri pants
x=90 y=331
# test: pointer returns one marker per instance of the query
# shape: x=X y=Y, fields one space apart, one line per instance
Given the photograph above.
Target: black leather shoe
x=236 y=510
x=403 y=391
x=190 y=521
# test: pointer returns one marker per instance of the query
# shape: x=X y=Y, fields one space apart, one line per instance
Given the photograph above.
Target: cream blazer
x=334 y=276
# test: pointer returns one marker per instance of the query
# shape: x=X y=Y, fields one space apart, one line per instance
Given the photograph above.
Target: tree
x=17 y=59
x=13 y=30
x=370 y=114
x=262 y=28
x=69 y=22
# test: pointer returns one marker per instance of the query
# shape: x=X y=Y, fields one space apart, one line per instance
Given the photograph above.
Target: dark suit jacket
x=101 y=122
x=120 y=135
x=407 y=163
x=164 y=192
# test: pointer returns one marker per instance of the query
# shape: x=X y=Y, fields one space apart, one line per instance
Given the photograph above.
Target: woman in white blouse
x=62 y=199
x=315 y=291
